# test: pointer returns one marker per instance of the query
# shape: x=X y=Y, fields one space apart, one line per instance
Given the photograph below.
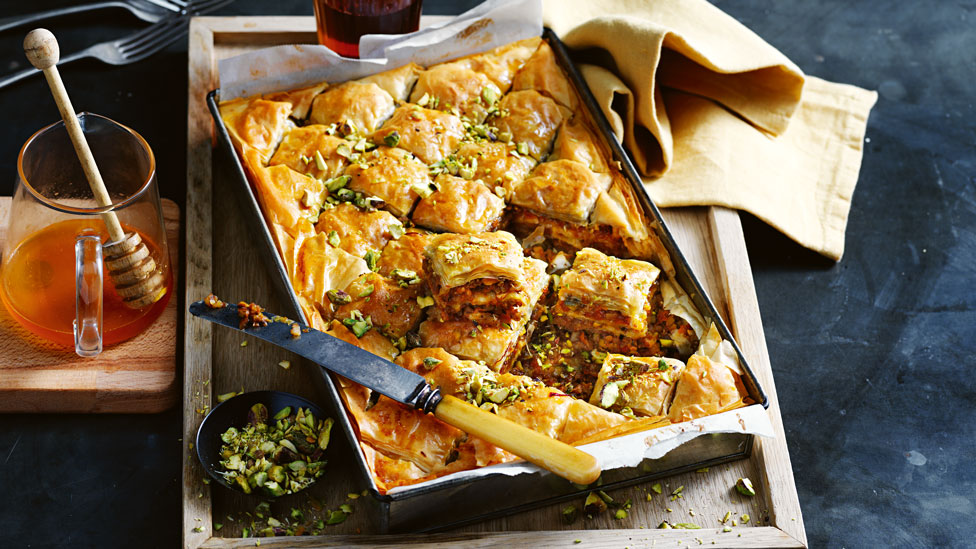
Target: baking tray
x=448 y=502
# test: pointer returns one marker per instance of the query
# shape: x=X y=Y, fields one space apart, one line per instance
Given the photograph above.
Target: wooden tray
x=136 y=376
x=221 y=259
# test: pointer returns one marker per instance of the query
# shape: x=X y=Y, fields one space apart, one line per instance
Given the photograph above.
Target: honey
x=37 y=285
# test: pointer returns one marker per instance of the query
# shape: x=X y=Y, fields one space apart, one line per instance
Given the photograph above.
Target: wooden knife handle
x=552 y=455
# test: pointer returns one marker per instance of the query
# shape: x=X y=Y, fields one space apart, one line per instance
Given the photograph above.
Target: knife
x=411 y=389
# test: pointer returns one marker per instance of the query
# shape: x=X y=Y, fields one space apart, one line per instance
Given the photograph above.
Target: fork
x=136 y=46
x=130 y=49
x=150 y=11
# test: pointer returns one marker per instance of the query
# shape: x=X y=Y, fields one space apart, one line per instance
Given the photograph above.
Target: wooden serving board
x=135 y=376
x=222 y=259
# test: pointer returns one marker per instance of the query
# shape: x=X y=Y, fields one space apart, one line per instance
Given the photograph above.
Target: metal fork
x=130 y=49
x=137 y=46
x=148 y=10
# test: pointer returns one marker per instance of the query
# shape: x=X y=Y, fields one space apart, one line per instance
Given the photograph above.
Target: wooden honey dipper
x=127 y=258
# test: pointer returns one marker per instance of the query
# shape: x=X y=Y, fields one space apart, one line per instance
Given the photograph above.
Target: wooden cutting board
x=216 y=362
x=135 y=376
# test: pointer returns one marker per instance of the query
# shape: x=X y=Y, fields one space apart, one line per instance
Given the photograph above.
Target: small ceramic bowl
x=233 y=413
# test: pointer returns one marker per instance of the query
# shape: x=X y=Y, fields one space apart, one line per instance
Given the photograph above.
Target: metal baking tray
x=445 y=503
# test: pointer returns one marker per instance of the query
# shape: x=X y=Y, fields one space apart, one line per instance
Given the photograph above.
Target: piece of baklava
x=356 y=108
x=256 y=123
x=358 y=231
x=376 y=302
x=530 y=120
x=640 y=386
x=321 y=267
x=452 y=87
x=481 y=277
x=391 y=174
x=498 y=165
x=561 y=189
x=542 y=73
x=312 y=150
x=459 y=206
x=430 y=135
x=575 y=141
x=605 y=294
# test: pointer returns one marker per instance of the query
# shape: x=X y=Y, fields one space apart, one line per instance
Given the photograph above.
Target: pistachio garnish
x=392 y=139
x=744 y=486
x=594 y=504
x=279 y=456
x=569 y=514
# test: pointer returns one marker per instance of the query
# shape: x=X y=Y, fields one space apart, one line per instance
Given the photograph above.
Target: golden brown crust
x=452 y=87
x=357 y=231
x=391 y=174
x=397 y=82
x=459 y=206
x=299 y=147
x=561 y=189
x=392 y=308
x=542 y=74
x=576 y=141
x=256 y=123
x=300 y=100
x=498 y=165
x=530 y=118
x=405 y=254
x=430 y=135
x=705 y=387
x=364 y=105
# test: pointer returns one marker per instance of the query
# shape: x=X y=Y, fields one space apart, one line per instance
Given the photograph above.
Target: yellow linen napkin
x=713 y=115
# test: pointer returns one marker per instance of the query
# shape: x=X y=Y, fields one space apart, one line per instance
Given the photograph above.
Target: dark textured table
x=873 y=356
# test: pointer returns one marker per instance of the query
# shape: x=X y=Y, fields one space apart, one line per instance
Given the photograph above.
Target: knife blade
x=406 y=387
x=333 y=354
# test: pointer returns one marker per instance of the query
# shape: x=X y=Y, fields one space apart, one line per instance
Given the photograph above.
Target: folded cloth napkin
x=713 y=115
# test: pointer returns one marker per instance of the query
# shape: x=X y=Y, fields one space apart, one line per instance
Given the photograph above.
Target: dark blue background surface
x=873 y=357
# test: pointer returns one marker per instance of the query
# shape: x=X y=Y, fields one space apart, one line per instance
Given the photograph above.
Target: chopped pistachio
x=336 y=517
x=424 y=99
x=425 y=301
x=274 y=454
x=522 y=147
x=657 y=488
x=744 y=486
x=744 y=519
x=336 y=183
x=490 y=94
x=339 y=297
x=396 y=231
x=334 y=239
x=285 y=364
x=620 y=514
x=430 y=362
x=352 y=495
x=569 y=514
x=392 y=139
x=727 y=529
x=346 y=508
x=244 y=343
x=283 y=413
x=226 y=396
x=372 y=257
x=319 y=161
x=594 y=504
x=368 y=290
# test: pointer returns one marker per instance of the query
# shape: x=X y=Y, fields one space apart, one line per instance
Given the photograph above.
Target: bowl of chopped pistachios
x=267 y=443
